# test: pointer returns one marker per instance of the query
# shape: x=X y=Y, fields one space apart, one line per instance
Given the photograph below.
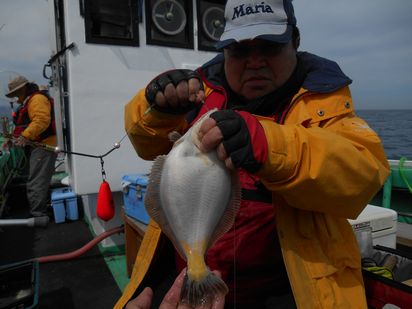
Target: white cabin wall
x=102 y=79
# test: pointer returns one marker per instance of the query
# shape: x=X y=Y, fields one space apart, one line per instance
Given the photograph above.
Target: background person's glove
x=175 y=91
x=20 y=141
x=244 y=139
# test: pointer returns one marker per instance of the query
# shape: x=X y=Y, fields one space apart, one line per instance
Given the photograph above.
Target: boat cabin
x=102 y=53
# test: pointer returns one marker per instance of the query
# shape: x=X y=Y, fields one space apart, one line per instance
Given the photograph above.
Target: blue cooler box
x=64 y=203
x=134 y=190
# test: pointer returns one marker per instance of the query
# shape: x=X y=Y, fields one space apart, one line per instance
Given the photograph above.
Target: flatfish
x=194 y=198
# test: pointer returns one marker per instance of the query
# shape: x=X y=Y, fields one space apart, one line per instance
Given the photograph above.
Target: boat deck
x=84 y=282
x=96 y=278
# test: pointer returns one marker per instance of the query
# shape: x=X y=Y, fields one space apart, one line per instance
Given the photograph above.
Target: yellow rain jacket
x=36 y=117
x=324 y=165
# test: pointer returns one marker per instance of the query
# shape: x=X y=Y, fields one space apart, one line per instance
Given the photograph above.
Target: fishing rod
x=57 y=149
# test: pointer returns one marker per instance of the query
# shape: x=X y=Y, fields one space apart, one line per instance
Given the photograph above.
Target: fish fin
x=152 y=200
x=153 y=204
x=227 y=220
x=198 y=293
x=174 y=136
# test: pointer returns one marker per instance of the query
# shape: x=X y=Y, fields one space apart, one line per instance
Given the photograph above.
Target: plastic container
x=381 y=223
x=134 y=189
x=64 y=203
x=59 y=211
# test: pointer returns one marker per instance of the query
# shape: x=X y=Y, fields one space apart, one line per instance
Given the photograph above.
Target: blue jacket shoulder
x=323 y=75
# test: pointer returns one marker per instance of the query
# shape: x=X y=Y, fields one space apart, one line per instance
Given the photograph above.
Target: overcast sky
x=370 y=39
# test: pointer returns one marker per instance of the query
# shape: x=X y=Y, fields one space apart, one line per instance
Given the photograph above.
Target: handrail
x=402 y=173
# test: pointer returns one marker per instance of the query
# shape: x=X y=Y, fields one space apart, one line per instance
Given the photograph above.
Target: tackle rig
x=105 y=204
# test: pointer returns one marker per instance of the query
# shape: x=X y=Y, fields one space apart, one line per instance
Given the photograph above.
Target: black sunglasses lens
x=264 y=49
x=272 y=49
x=239 y=51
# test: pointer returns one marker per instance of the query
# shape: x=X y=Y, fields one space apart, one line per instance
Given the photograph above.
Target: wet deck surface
x=84 y=282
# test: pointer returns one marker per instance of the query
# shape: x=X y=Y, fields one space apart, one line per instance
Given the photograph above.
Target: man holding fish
x=280 y=121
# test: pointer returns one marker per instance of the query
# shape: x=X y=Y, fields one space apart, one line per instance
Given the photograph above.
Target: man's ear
x=296 y=42
x=296 y=37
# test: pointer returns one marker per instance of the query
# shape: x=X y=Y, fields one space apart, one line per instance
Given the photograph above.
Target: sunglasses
x=266 y=49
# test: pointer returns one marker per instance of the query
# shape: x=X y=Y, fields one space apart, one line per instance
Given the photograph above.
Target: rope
x=402 y=173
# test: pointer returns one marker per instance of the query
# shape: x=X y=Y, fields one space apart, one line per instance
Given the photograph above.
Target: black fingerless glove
x=160 y=82
x=244 y=139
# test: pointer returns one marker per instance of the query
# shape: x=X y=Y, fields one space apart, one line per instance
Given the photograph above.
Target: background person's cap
x=271 y=20
x=15 y=84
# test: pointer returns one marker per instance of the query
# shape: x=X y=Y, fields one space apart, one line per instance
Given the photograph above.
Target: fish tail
x=200 y=292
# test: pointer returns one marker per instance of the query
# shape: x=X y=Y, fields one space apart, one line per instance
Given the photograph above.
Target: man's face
x=20 y=95
x=255 y=68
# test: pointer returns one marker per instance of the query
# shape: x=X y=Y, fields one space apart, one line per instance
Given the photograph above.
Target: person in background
x=34 y=123
x=307 y=163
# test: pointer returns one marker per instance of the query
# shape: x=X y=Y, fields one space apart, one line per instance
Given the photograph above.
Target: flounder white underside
x=192 y=195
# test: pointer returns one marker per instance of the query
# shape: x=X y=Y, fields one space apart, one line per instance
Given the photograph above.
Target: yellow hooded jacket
x=39 y=112
x=323 y=167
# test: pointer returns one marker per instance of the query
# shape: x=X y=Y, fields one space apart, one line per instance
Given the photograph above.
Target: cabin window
x=111 y=22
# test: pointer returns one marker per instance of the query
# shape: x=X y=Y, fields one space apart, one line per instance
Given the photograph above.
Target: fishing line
x=103 y=172
x=234 y=263
x=83 y=154
x=149 y=110
x=57 y=150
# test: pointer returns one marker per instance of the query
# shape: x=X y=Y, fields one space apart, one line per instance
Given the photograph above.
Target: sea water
x=394 y=127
